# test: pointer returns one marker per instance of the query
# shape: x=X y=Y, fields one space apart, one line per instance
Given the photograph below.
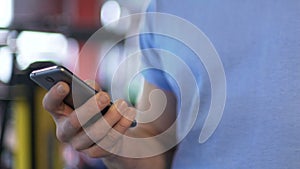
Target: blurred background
x=36 y=34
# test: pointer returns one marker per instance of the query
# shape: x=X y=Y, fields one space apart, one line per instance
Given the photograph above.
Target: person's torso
x=259 y=45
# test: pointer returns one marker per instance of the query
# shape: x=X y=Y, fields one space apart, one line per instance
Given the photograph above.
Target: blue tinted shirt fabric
x=259 y=45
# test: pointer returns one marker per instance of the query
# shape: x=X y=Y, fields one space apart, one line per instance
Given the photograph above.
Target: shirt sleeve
x=151 y=60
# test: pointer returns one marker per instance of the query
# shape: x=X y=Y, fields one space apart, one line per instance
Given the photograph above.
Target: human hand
x=92 y=137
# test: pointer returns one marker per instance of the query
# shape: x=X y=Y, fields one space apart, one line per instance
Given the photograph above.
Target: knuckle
x=94 y=152
x=76 y=145
x=111 y=143
x=132 y=110
x=66 y=129
x=124 y=125
x=129 y=115
x=103 y=99
x=121 y=106
x=72 y=122
x=132 y=113
x=61 y=136
x=113 y=136
x=63 y=131
x=45 y=103
x=110 y=138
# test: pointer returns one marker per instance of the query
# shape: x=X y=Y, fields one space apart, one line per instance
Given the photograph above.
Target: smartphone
x=80 y=92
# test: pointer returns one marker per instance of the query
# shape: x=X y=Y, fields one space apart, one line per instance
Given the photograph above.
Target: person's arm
x=101 y=140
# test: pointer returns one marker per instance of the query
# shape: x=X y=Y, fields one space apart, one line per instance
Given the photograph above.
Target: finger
x=126 y=121
x=85 y=139
x=93 y=84
x=115 y=112
x=112 y=145
x=110 y=142
x=69 y=127
x=98 y=130
x=113 y=137
x=53 y=100
x=95 y=151
x=92 y=107
x=96 y=87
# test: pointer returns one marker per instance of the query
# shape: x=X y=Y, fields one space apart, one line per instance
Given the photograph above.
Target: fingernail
x=131 y=113
x=121 y=106
x=61 y=89
x=103 y=98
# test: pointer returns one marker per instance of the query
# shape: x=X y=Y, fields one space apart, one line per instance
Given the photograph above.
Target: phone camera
x=50 y=79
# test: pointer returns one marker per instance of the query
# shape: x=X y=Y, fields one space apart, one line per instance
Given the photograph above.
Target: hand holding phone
x=80 y=91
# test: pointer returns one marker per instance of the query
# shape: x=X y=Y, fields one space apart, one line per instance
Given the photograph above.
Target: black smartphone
x=80 y=92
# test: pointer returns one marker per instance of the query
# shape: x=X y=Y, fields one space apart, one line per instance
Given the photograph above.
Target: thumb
x=53 y=100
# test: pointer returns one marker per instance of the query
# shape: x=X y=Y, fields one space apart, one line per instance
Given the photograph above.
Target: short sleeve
x=150 y=59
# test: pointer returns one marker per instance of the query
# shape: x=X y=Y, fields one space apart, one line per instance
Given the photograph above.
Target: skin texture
x=74 y=127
